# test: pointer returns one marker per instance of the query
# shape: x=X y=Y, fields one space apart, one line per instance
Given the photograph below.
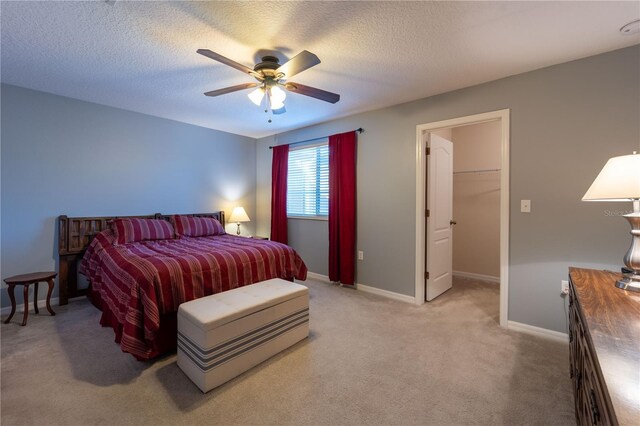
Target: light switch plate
x=525 y=206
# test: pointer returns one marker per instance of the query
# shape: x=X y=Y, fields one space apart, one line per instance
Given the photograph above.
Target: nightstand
x=254 y=237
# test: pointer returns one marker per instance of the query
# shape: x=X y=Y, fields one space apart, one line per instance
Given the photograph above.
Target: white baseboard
x=367 y=289
x=41 y=305
x=318 y=276
x=386 y=293
x=537 y=331
x=477 y=276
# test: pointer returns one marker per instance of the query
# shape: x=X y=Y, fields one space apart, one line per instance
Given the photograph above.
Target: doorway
x=423 y=142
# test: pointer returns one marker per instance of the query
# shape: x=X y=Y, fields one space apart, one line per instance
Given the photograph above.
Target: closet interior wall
x=476 y=199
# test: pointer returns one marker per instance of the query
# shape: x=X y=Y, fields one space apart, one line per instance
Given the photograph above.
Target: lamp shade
x=239 y=215
x=277 y=95
x=256 y=96
x=619 y=180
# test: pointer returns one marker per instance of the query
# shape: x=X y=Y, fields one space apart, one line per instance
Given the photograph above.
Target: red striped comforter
x=139 y=282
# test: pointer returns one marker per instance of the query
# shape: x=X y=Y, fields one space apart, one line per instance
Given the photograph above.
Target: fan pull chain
x=267 y=101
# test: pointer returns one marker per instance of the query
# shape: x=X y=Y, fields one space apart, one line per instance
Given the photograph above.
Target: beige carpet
x=369 y=360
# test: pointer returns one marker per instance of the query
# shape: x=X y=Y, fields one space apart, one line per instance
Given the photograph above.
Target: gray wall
x=566 y=121
x=64 y=156
x=310 y=238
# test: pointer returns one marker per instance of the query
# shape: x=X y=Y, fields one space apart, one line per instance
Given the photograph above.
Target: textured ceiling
x=141 y=56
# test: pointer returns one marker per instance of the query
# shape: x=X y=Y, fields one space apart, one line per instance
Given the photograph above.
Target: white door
x=439 y=222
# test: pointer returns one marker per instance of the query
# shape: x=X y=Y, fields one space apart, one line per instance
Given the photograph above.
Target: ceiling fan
x=272 y=78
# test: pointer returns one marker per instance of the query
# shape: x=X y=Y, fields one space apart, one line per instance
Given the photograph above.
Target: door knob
x=452 y=222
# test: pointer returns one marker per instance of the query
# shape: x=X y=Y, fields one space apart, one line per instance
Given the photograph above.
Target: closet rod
x=477 y=171
x=359 y=130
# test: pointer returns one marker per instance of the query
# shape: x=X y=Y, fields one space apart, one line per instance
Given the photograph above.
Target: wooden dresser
x=604 y=336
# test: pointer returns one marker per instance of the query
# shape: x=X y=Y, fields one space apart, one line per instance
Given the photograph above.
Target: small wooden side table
x=26 y=280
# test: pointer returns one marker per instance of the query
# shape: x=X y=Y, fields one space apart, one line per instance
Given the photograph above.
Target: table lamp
x=619 y=180
x=239 y=215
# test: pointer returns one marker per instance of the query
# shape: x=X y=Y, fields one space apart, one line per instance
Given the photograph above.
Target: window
x=308 y=182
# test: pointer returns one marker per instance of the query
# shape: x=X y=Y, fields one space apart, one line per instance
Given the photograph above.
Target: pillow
x=132 y=230
x=188 y=226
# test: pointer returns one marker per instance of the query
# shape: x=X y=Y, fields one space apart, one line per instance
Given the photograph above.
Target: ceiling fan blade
x=302 y=61
x=231 y=89
x=233 y=64
x=323 y=95
x=279 y=111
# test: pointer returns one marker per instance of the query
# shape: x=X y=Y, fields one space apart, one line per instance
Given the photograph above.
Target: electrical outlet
x=360 y=255
x=525 y=206
x=564 y=286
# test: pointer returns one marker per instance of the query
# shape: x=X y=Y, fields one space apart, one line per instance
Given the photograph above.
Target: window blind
x=308 y=181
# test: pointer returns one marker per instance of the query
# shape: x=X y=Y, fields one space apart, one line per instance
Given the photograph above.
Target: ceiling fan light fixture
x=272 y=80
x=276 y=105
x=277 y=95
x=256 y=96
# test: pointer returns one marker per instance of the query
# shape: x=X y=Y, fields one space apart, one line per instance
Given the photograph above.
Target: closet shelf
x=476 y=171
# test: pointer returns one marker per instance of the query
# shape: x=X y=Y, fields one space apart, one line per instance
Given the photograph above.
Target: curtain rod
x=359 y=130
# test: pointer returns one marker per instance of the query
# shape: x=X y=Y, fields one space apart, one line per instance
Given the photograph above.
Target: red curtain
x=279 y=169
x=342 y=207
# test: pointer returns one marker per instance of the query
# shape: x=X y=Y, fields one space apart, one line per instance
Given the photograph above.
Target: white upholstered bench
x=225 y=334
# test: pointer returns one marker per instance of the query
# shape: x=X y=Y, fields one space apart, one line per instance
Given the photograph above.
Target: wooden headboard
x=75 y=234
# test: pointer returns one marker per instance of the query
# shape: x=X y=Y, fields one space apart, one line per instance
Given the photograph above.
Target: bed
x=139 y=281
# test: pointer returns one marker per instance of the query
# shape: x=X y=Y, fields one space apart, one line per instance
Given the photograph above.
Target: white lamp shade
x=256 y=96
x=619 y=180
x=276 y=105
x=277 y=95
x=239 y=215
